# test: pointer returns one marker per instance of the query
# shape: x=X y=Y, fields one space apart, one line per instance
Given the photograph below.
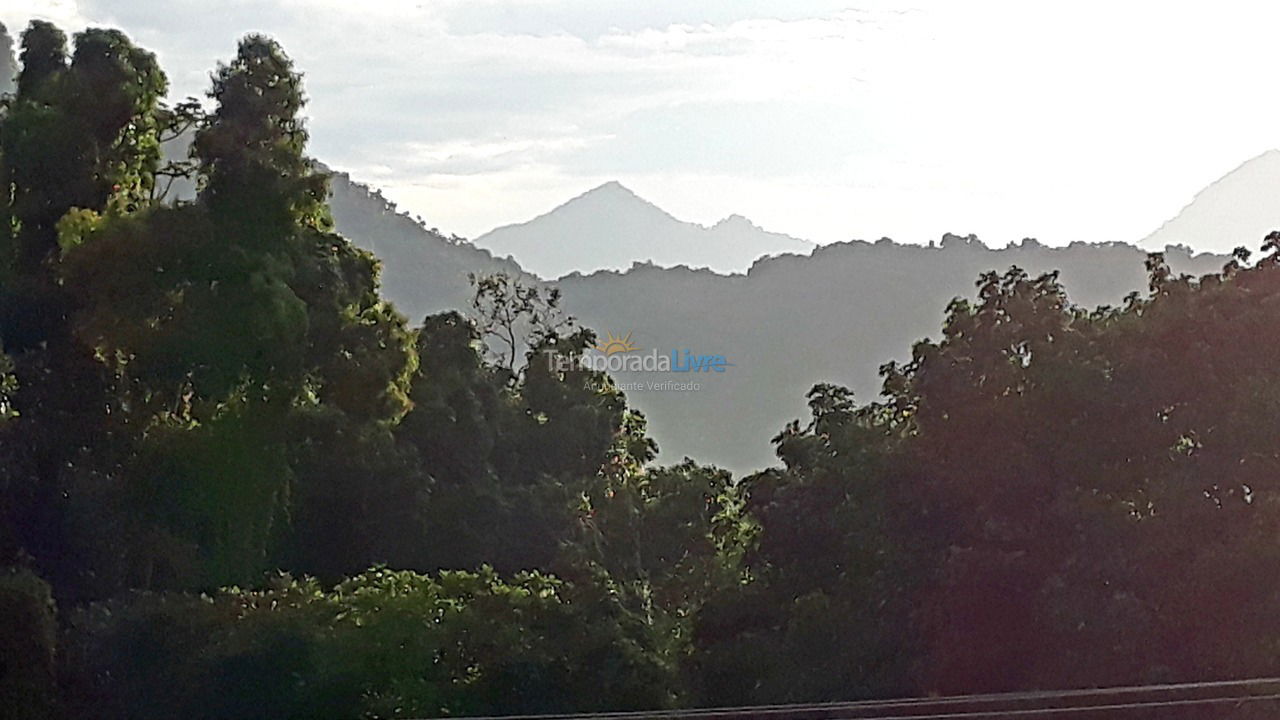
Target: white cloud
x=1086 y=120
x=15 y=14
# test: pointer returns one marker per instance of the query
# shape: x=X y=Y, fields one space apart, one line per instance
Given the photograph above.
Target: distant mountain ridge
x=1235 y=210
x=835 y=316
x=611 y=228
x=790 y=321
x=423 y=272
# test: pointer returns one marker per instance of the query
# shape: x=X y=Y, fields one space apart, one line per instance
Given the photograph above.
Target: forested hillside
x=834 y=317
x=790 y=321
x=423 y=271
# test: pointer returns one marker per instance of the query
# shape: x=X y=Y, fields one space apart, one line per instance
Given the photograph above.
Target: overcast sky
x=827 y=120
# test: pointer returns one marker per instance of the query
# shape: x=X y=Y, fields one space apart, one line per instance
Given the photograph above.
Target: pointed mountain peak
x=610 y=201
x=611 y=189
x=610 y=228
x=612 y=197
x=612 y=186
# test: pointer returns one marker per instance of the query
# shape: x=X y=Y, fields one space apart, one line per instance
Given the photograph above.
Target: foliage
x=215 y=333
x=827 y=616
x=1095 y=482
x=28 y=641
x=8 y=385
x=80 y=133
x=1097 y=479
x=667 y=539
x=513 y=316
x=382 y=644
x=508 y=462
x=195 y=393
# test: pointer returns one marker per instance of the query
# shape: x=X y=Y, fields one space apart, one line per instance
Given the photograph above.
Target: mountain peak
x=611 y=198
x=611 y=189
x=610 y=228
x=612 y=186
x=610 y=203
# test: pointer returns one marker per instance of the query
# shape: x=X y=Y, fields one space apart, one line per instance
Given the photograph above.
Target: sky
x=827 y=120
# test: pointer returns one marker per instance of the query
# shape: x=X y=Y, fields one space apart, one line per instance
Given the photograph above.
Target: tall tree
x=244 y=325
x=508 y=460
x=79 y=134
x=178 y=371
x=1101 y=480
x=827 y=614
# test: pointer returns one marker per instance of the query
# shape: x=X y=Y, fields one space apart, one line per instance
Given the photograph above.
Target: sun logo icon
x=613 y=345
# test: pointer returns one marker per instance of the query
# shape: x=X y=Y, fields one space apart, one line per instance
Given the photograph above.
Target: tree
x=508 y=461
x=264 y=327
x=665 y=541
x=828 y=612
x=78 y=134
x=28 y=644
x=513 y=316
x=200 y=350
x=1090 y=476
x=383 y=643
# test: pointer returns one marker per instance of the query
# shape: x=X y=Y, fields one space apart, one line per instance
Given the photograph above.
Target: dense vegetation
x=236 y=483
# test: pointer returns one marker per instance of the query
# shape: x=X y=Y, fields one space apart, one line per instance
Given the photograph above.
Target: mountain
x=423 y=272
x=788 y=322
x=610 y=227
x=1238 y=209
x=793 y=321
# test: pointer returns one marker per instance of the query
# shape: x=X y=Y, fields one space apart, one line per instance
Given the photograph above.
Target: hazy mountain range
x=831 y=314
x=610 y=227
x=834 y=316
